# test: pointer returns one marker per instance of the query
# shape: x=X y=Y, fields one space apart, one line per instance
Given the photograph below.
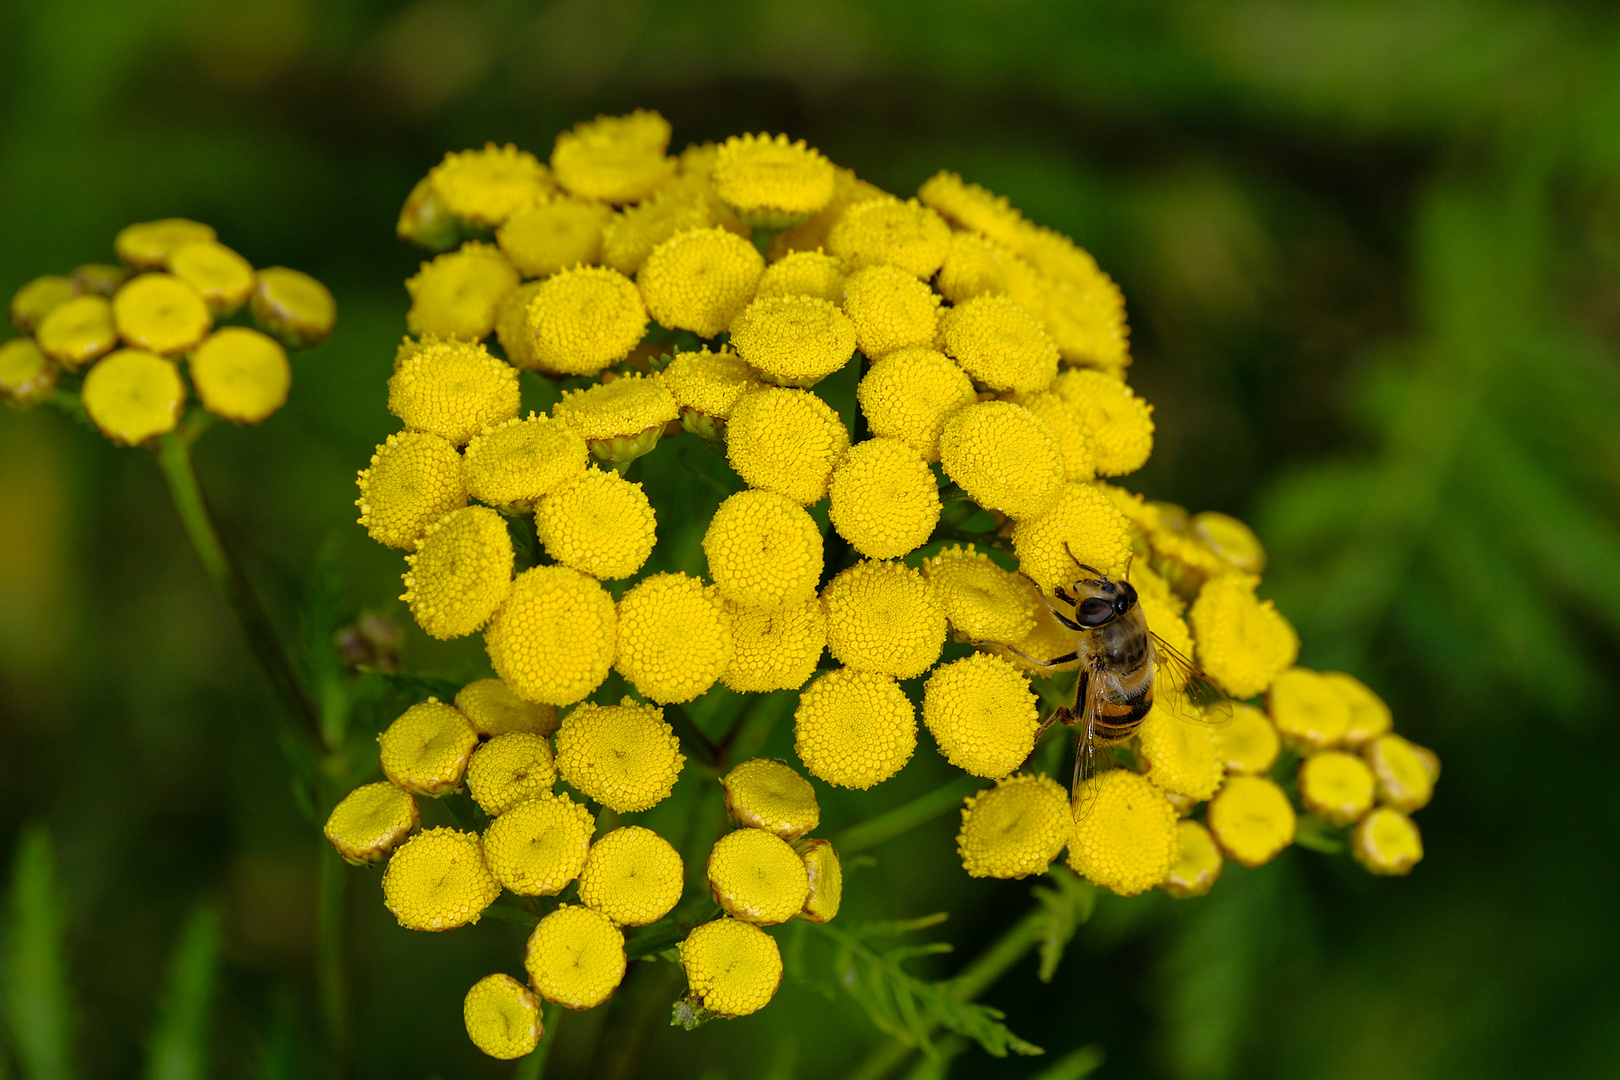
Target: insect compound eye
x=1095 y=611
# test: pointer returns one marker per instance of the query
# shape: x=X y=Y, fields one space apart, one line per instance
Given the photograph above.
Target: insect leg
x=1052 y=663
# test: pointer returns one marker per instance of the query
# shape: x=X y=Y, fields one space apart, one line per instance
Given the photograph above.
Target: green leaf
x=1075 y=1065
x=36 y=985
x=1067 y=907
x=179 y=1049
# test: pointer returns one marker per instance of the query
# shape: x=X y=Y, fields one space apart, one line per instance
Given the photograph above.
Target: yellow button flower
x=370 y=822
x=888 y=232
x=1387 y=842
x=437 y=880
x=764 y=550
x=1046 y=641
x=512 y=327
x=982 y=601
x=978 y=266
x=1308 y=710
x=502 y=1017
x=709 y=383
x=1183 y=756
x=425 y=221
x=1083 y=522
x=492 y=709
x=700 y=279
x=133 y=396
x=553 y=640
x=1126 y=837
x=765 y=794
x=826 y=876
x=40 y=297
x=1249 y=742
x=1120 y=423
x=772 y=182
x=292 y=307
x=76 y=332
x=983 y=714
x=1231 y=539
x=848 y=189
x=614 y=159
x=891 y=310
x=1406 y=772
x=485 y=187
x=554 y=234
x=453 y=389
x=1087 y=321
x=413 y=481
x=1337 y=787
x=757 y=877
x=515 y=463
x=459 y=293
x=1252 y=819
x=599 y=523
x=460 y=572
x=774 y=648
x=100 y=279
x=631 y=235
x=804 y=273
x=27 y=375
x=624 y=756
x=908 y=394
x=1369 y=716
x=854 y=729
x=1243 y=642
x=584 y=319
x=1000 y=344
x=884 y=499
x=632 y=875
x=1199 y=866
x=146 y=244
x=510 y=769
x=733 y=968
x=576 y=957
x=618 y=408
x=1079 y=463
x=883 y=617
x=240 y=374
x=786 y=441
x=972 y=207
x=1004 y=457
x=674 y=637
x=219 y=275
x=794 y=340
x=1015 y=828
x=425 y=750
x=161 y=314
x=538 y=846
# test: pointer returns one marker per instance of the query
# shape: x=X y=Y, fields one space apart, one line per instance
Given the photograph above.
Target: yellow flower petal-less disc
x=77 y=331
x=538 y=846
x=1015 y=828
x=145 y=245
x=425 y=750
x=770 y=181
x=485 y=187
x=1120 y=423
x=617 y=408
x=371 y=821
x=786 y=441
x=804 y=273
x=161 y=314
x=551 y=235
x=757 y=877
x=793 y=340
x=632 y=875
x=890 y=309
x=632 y=234
x=1309 y=710
x=414 y=480
x=1004 y=457
x=674 y=637
x=240 y=374
x=700 y=280
x=513 y=464
x=615 y=159
x=575 y=957
x=763 y=550
x=972 y=207
x=1252 y=819
x=553 y=640
x=454 y=389
x=1183 y=756
x=459 y=573
x=854 y=728
x=732 y=967
x=1369 y=716
x=1249 y=742
x=27 y=376
x=765 y=794
x=510 y=769
x=292 y=307
x=1000 y=344
x=583 y=319
x=1125 y=839
x=1243 y=642
x=44 y=294
x=884 y=499
x=888 y=232
x=437 y=880
x=1406 y=772
x=1083 y=525
x=502 y=1017
x=775 y=648
x=459 y=293
x=1386 y=842
x=219 y=275
x=1231 y=539
x=709 y=383
x=1199 y=865
x=1079 y=463
x=133 y=396
x=826 y=876
x=982 y=714
x=624 y=756
x=884 y=617
x=982 y=601
x=1337 y=787
x=599 y=523
x=492 y=709
x=909 y=393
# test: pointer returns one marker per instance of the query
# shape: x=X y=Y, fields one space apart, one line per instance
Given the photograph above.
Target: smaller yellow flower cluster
x=119 y=333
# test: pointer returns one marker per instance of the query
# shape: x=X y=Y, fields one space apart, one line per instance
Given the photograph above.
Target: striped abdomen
x=1120 y=659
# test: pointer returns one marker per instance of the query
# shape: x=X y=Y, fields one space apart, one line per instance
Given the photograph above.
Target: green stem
x=533 y=1066
x=332 y=961
x=904 y=818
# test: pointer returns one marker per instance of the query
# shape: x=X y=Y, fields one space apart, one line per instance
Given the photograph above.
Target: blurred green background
x=1371 y=254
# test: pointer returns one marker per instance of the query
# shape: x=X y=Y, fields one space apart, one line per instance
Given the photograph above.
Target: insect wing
x=1184 y=691
x=1090 y=756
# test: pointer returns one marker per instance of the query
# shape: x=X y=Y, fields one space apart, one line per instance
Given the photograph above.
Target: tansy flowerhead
x=891 y=310
x=539 y=845
x=583 y=319
x=793 y=340
x=757 y=877
x=146 y=244
x=854 y=728
x=632 y=234
x=972 y=207
x=1248 y=741
x=516 y=462
x=1082 y=525
x=39 y=298
x=624 y=756
x=161 y=314
x=219 y=275
x=575 y=957
x=909 y=393
x=492 y=709
x=100 y=279
x=884 y=499
x=1199 y=865
x=774 y=648
x=618 y=410
x=764 y=550
x=674 y=637
x=884 y=617
x=1004 y=457
x=77 y=331
x=133 y=396
x=27 y=376
x=240 y=374
x=978 y=266
x=1015 y=828
x=826 y=876
x=1337 y=787
x=292 y=307
x=733 y=968
x=460 y=572
x=459 y=293
x=700 y=279
x=1079 y=463
x=437 y=880
x=1252 y=819
x=1120 y=423
x=553 y=640
x=502 y=1017
x=510 y=769
x=888 y=232
x=425 y=221
x=1231 y=539
x=1369 y=716
x=983 y=715
x=413 y=481
x=632 y=875
x=982 y=601
x=1125 y=838
x=615 y=159
x=765 y=794
x=708 y=383
x=772 y=183
x=485 y=187
x=1308 y=710
x=1000 y=344
x=848 y=189
x=599 y=523
x=1047 y=640
x=425 y=750
x=370 y=822
x=552 y=234
x=1087 y=321
x=786 y=441
x=1386 y=842
x=804 y=273
x=1183 y=754
x=1406 y=772
x=453 y=389
x=1243 y=642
